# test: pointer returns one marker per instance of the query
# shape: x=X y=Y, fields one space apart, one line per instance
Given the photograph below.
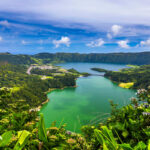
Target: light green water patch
x=88 y=103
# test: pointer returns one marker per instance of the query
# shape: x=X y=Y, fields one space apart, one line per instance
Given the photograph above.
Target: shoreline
x=53 y=89
x=38 y=108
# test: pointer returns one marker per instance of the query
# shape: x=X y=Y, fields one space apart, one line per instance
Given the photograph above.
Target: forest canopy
x=45 y=58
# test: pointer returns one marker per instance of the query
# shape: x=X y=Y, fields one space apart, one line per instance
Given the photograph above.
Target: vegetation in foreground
x=135 y=77
x=128 y=128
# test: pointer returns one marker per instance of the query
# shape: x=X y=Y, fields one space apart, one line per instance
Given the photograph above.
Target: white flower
x=141 y=91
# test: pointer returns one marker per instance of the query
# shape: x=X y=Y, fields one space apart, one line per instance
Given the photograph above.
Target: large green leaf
x=23 y=139
x=118 y=126
x=42 y=129
x=147 y=131
x=109 y=137
x=5 y=138
x=100 y=138
x=140 y=146
x=148 y=144
x=125 y=147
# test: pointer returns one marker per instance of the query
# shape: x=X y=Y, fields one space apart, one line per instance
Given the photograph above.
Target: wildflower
x=141 y=91
x=68 y=132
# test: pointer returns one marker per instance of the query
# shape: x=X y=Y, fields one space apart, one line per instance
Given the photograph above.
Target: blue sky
x=87 y=26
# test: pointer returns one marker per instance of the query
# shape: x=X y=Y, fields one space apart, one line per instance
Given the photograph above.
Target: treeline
x=47 y=72
x=119 y=58
x=140 y=76
x=44 y=58
x=16 y=59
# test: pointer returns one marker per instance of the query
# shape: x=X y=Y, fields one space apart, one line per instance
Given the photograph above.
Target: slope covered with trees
x=139 y=76
x=19 y=85
x=45 y=58
x=119 y=58
x=17 y=59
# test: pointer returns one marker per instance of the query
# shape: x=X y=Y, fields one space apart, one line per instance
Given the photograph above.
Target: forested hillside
x=16 y=59
x=119 y=58
x=45 y=58
x=138 y=76
x=19 y=85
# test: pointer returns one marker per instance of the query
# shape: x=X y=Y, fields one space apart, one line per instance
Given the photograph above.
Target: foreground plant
x=5 y=138
x=128 y=128
x=107 y=140
x=23 y=137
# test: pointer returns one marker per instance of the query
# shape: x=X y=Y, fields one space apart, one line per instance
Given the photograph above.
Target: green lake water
x=88 y=103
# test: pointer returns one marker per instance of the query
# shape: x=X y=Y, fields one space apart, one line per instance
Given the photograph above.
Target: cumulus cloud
x=123 y=44
x=145 y=43
x=109 y=36
x=96 y=43
x=63 y=41
x=1 y=38
x=116 y=29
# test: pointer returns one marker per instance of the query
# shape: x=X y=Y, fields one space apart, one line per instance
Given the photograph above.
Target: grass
x=133 y=66
x=46 y=77
x=126 y=85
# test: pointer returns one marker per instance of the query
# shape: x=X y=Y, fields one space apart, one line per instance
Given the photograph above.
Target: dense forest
x=16 y=59
x=138 y=75
x=45 y=58
x=20 y=85
x=120 y=58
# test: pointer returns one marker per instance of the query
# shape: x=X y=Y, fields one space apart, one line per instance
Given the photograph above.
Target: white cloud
x=91 y=12
x=116 y=29
x=109 y=36
x=24 y=42
x=145 y=43
x=4 y=23
x=96 y=43
x=1 y=38
x=123 y=44
x=64 y=40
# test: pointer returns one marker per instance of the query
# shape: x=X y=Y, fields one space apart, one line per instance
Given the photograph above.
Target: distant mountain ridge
x=141 y=58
